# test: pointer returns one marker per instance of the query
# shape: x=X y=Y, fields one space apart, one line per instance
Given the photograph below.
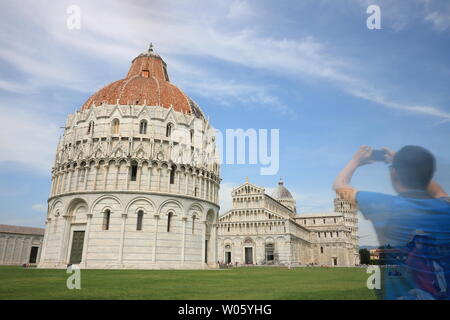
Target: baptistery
x=136 y=178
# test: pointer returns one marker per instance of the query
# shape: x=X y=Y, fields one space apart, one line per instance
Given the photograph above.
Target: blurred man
x=414 y=225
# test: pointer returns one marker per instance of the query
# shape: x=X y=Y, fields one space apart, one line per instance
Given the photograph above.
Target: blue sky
x=309 y=68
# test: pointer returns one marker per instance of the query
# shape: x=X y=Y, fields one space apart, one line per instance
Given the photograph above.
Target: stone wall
x=15 y=249
x=122 y=245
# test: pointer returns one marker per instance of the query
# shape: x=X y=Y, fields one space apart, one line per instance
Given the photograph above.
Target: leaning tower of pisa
x=135 y=180
x=350 y=213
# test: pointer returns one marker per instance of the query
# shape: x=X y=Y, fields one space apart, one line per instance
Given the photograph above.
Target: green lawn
x=241 y=283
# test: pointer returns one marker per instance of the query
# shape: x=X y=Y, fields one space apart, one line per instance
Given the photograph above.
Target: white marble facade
x=262 y=229
x=134 y=186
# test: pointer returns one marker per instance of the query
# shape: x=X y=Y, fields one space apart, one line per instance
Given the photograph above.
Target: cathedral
x=263 y=229
x=135 y=185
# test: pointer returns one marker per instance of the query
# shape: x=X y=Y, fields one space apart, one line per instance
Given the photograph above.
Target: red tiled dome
x=147 y=82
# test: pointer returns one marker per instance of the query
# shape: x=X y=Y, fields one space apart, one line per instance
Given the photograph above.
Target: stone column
x=158 y=183
x=28 y=250
x=203 y=241
x=66 y=178
x=149 y=170
x=96 y=167
x=213 y=238
x=178 y=172
x=209 y=190
x=217 y=193
x=21 y=249
x=61 y=182
x=13 y=249
x=86 y=239
x=5 y=246
x=58 y=183
x=127 y=183
x=194 y=184
x=155 y=239
x=183 y=238
x=138 y=174
x=69 y=180
x=201 y=191
x=122 y=237
x=116 y=182
x=86 y=176
x=105 y=181
x=64 y=240
x=168 y=179
x=44 y=244
x=77 y=179
x=54 y=181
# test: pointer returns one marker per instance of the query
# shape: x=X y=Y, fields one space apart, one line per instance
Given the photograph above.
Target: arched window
x=90 y=127
x=172 y=174
x=143 y=127
x=192 y=136
x=106 y=219
x=115 y=126
x=193 y=223
x=169 y=128
x=321 y=249
x=195 y=191
x=169 y=220
x=140 y=217
x=133 y=171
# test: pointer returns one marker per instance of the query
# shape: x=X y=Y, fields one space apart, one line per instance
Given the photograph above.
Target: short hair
x=415 y=166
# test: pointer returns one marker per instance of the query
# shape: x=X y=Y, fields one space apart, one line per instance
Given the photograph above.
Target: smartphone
x=378 y=155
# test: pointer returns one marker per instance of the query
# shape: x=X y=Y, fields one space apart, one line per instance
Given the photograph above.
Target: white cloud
x=227 y=92
x=239 y=9
x=205 y=35
x=440 y=20
x=39 y=207
x=179 y=37
x=27 y=138
x=225 y=196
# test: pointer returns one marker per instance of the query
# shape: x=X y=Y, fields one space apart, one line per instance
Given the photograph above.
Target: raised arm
x=342 y=182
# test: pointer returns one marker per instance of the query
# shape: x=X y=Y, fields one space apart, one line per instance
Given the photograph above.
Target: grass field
x=241 y=283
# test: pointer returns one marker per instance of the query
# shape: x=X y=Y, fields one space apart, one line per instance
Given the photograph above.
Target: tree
x=364 y=256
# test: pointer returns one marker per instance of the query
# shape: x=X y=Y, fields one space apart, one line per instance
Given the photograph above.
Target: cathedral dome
x=147 y=83
x=281 y=192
